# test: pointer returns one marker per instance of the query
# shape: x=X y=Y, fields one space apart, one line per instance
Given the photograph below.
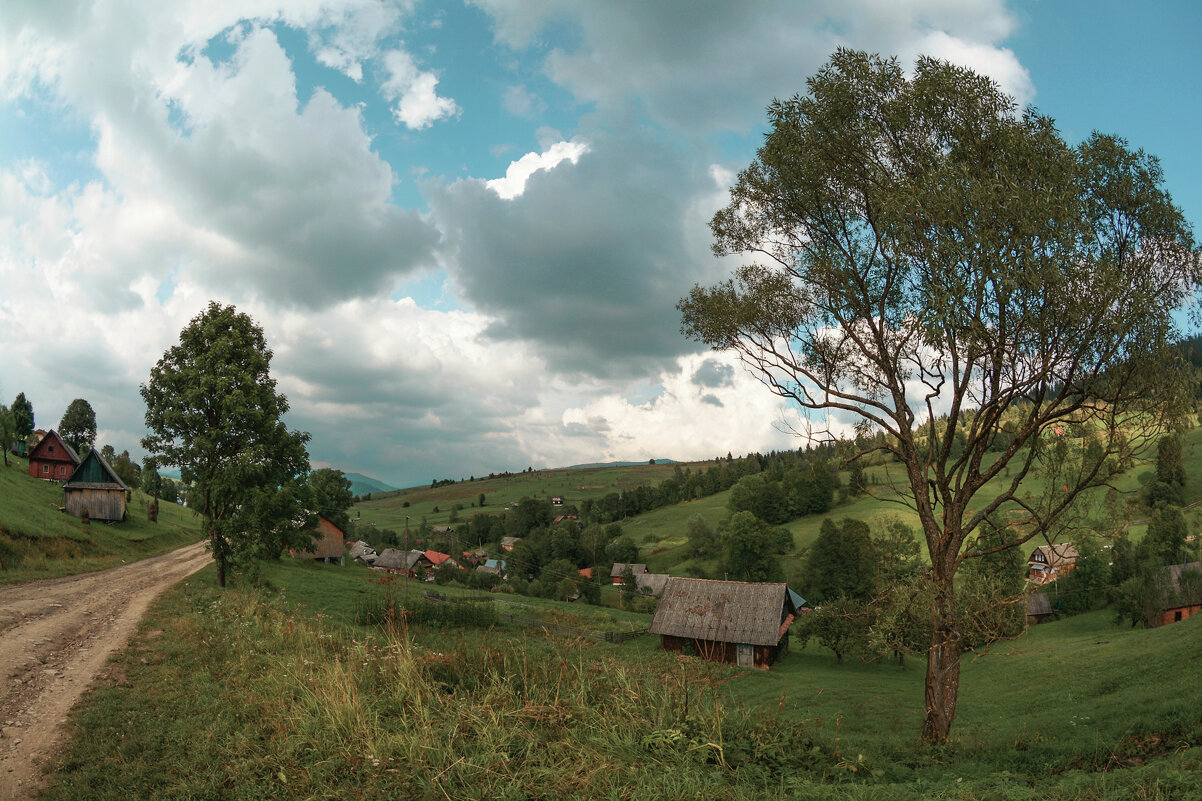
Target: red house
x=52 y=459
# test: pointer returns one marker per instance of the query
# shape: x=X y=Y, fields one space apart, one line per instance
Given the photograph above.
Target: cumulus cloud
x=415 y=92
x=713 y=373
x=714 y=65
x=688 y=421
x=514 y=182
x=590 y=260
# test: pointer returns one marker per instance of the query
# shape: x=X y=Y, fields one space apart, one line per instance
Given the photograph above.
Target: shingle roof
x=1059 y=554
x=395 y=559
x=619 y=569
x=722 y=611
x=653 y=583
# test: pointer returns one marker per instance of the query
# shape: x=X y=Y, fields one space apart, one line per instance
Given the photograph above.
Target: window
x=1177 y=616
x=51 y=449
x=45 y=468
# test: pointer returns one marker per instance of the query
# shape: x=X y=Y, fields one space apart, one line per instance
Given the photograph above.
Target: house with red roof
x=52 y=459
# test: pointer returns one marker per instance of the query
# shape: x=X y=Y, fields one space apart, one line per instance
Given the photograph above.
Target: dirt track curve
x=55 y=637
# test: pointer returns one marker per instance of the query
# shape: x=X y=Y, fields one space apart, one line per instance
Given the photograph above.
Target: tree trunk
x=943 y=668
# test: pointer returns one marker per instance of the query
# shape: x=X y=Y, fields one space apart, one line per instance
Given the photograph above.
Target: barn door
x=746 y=656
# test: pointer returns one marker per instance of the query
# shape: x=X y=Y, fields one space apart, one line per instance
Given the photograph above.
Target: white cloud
x=514 y=182
x=414 y=91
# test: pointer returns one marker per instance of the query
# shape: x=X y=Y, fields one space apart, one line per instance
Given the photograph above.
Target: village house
x=1049 y=562
x=329 y=546
x=52 y=459
x=398 y=562
x=94 y=491
x=433 y=559
x=363 y=552
x=619 y=571
x=1181 y=597
x=507 y=543
x=737 y=622
x=494 y=567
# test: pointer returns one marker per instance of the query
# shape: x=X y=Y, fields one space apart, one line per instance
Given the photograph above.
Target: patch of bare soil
x=55 y=637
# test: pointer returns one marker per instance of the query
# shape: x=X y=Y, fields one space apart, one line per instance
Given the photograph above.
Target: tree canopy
x=22 y=411
x=78 y=426
x=330 y=495
x=213 y=411
x=925 y=251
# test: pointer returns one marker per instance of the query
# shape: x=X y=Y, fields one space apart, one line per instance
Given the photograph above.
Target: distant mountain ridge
x=613 y=464
x=361 y=484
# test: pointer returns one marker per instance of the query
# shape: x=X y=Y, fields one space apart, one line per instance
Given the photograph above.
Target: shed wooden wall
x=102 y=504
x=765 y=655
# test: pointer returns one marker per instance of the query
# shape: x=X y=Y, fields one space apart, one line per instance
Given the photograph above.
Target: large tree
x=213 y=411
x=931 y=260
x=78 y=426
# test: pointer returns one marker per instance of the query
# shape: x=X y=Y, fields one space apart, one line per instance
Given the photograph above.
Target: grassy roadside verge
x=276 y=692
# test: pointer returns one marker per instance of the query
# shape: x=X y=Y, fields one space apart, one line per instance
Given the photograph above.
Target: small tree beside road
x=213 y=411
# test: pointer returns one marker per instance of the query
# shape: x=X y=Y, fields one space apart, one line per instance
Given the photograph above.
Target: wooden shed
x=1039 y=607
x=1180 y=599
x=94 y=489
x=52 y=458
x=726 y=621
x=328 y=546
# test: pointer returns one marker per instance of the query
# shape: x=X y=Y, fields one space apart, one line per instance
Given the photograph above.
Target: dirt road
x=55 y=637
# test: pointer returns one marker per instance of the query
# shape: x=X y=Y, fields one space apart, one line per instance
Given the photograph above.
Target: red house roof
x=437 y=558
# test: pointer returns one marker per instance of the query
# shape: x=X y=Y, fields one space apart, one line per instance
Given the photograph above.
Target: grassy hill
x=39 y=541
x=661 y=534
x=278 y=691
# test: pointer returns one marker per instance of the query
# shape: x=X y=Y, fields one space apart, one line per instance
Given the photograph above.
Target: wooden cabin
x=618 y=572
x=328 y=546
x=52 y=459
x=742 y=623
x=94 y=490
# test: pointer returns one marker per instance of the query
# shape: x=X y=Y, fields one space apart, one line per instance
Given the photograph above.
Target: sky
x=464 y=226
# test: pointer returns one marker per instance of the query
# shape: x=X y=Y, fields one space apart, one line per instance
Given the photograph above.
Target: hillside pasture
x=39 y=541
x=301 y=701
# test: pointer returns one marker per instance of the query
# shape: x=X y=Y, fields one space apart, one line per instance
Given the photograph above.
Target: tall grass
x=274 y=691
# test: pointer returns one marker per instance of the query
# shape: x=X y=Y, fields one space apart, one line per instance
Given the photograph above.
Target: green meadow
x=279 y=690
x=39 y=541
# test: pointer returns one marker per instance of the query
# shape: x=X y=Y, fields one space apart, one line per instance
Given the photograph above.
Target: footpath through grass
x=39 y=541
x=277 y=692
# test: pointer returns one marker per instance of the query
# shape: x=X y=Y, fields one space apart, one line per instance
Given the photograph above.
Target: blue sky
x=463 y=226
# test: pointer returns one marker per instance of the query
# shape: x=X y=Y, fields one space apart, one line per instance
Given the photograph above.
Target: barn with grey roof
x=725 y=621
